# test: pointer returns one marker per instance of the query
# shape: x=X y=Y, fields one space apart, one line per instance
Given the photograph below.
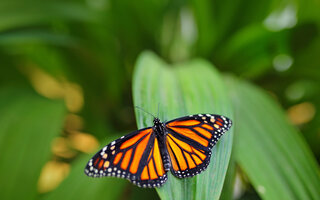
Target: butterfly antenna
x=145 y=111
x=158 y=110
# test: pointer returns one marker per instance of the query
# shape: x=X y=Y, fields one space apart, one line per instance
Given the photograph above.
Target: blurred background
x=73 y=61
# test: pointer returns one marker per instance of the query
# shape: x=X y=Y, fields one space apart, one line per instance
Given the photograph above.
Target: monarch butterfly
x=182 y=145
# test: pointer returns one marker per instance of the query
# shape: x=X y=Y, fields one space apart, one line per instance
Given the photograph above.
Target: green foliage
x=84 y=61
x=176 y=90
x=281 y=165
x=28 y=124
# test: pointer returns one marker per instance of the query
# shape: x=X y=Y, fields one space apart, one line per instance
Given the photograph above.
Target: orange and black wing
x=135 y=157
x=189 y=141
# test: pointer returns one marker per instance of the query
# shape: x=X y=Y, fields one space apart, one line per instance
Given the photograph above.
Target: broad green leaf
x=184 y=89
x=271 y=152
x=228 y=187
x=28 y=123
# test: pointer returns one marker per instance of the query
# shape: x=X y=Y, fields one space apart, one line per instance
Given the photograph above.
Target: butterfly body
x=182 y=146
x=160 y=132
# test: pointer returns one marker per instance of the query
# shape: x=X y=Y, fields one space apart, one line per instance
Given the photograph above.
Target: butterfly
x=144 y=157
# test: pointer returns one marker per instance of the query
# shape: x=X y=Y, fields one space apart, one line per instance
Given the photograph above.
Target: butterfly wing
x=135 y=157
x=189 y=141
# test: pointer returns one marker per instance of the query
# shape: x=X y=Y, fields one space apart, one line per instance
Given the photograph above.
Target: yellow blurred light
x=52 y=174
x=50 y=87
x=61 y=148
x=73 y=97
x=83 y=142
x=73 y=122
x=45 y=84
x=301 y=113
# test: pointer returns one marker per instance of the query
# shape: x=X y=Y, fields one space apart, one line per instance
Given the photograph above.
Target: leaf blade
x=270 y=143
x=28 y=124
x=182 y=90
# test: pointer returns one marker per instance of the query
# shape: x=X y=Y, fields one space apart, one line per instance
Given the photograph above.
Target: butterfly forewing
x=190 y=139
x=135 y=157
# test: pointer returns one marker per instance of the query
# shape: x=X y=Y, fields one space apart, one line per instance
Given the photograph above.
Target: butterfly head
x=156 y=121
x=158 y=126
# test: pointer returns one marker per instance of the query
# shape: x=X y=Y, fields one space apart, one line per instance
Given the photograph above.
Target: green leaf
x=271 y=152
x=184 y=89
x=229 y=183
x=28 y=123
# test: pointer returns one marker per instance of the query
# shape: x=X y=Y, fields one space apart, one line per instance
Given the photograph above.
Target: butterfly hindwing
x=190 y=139
x=135 y=157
